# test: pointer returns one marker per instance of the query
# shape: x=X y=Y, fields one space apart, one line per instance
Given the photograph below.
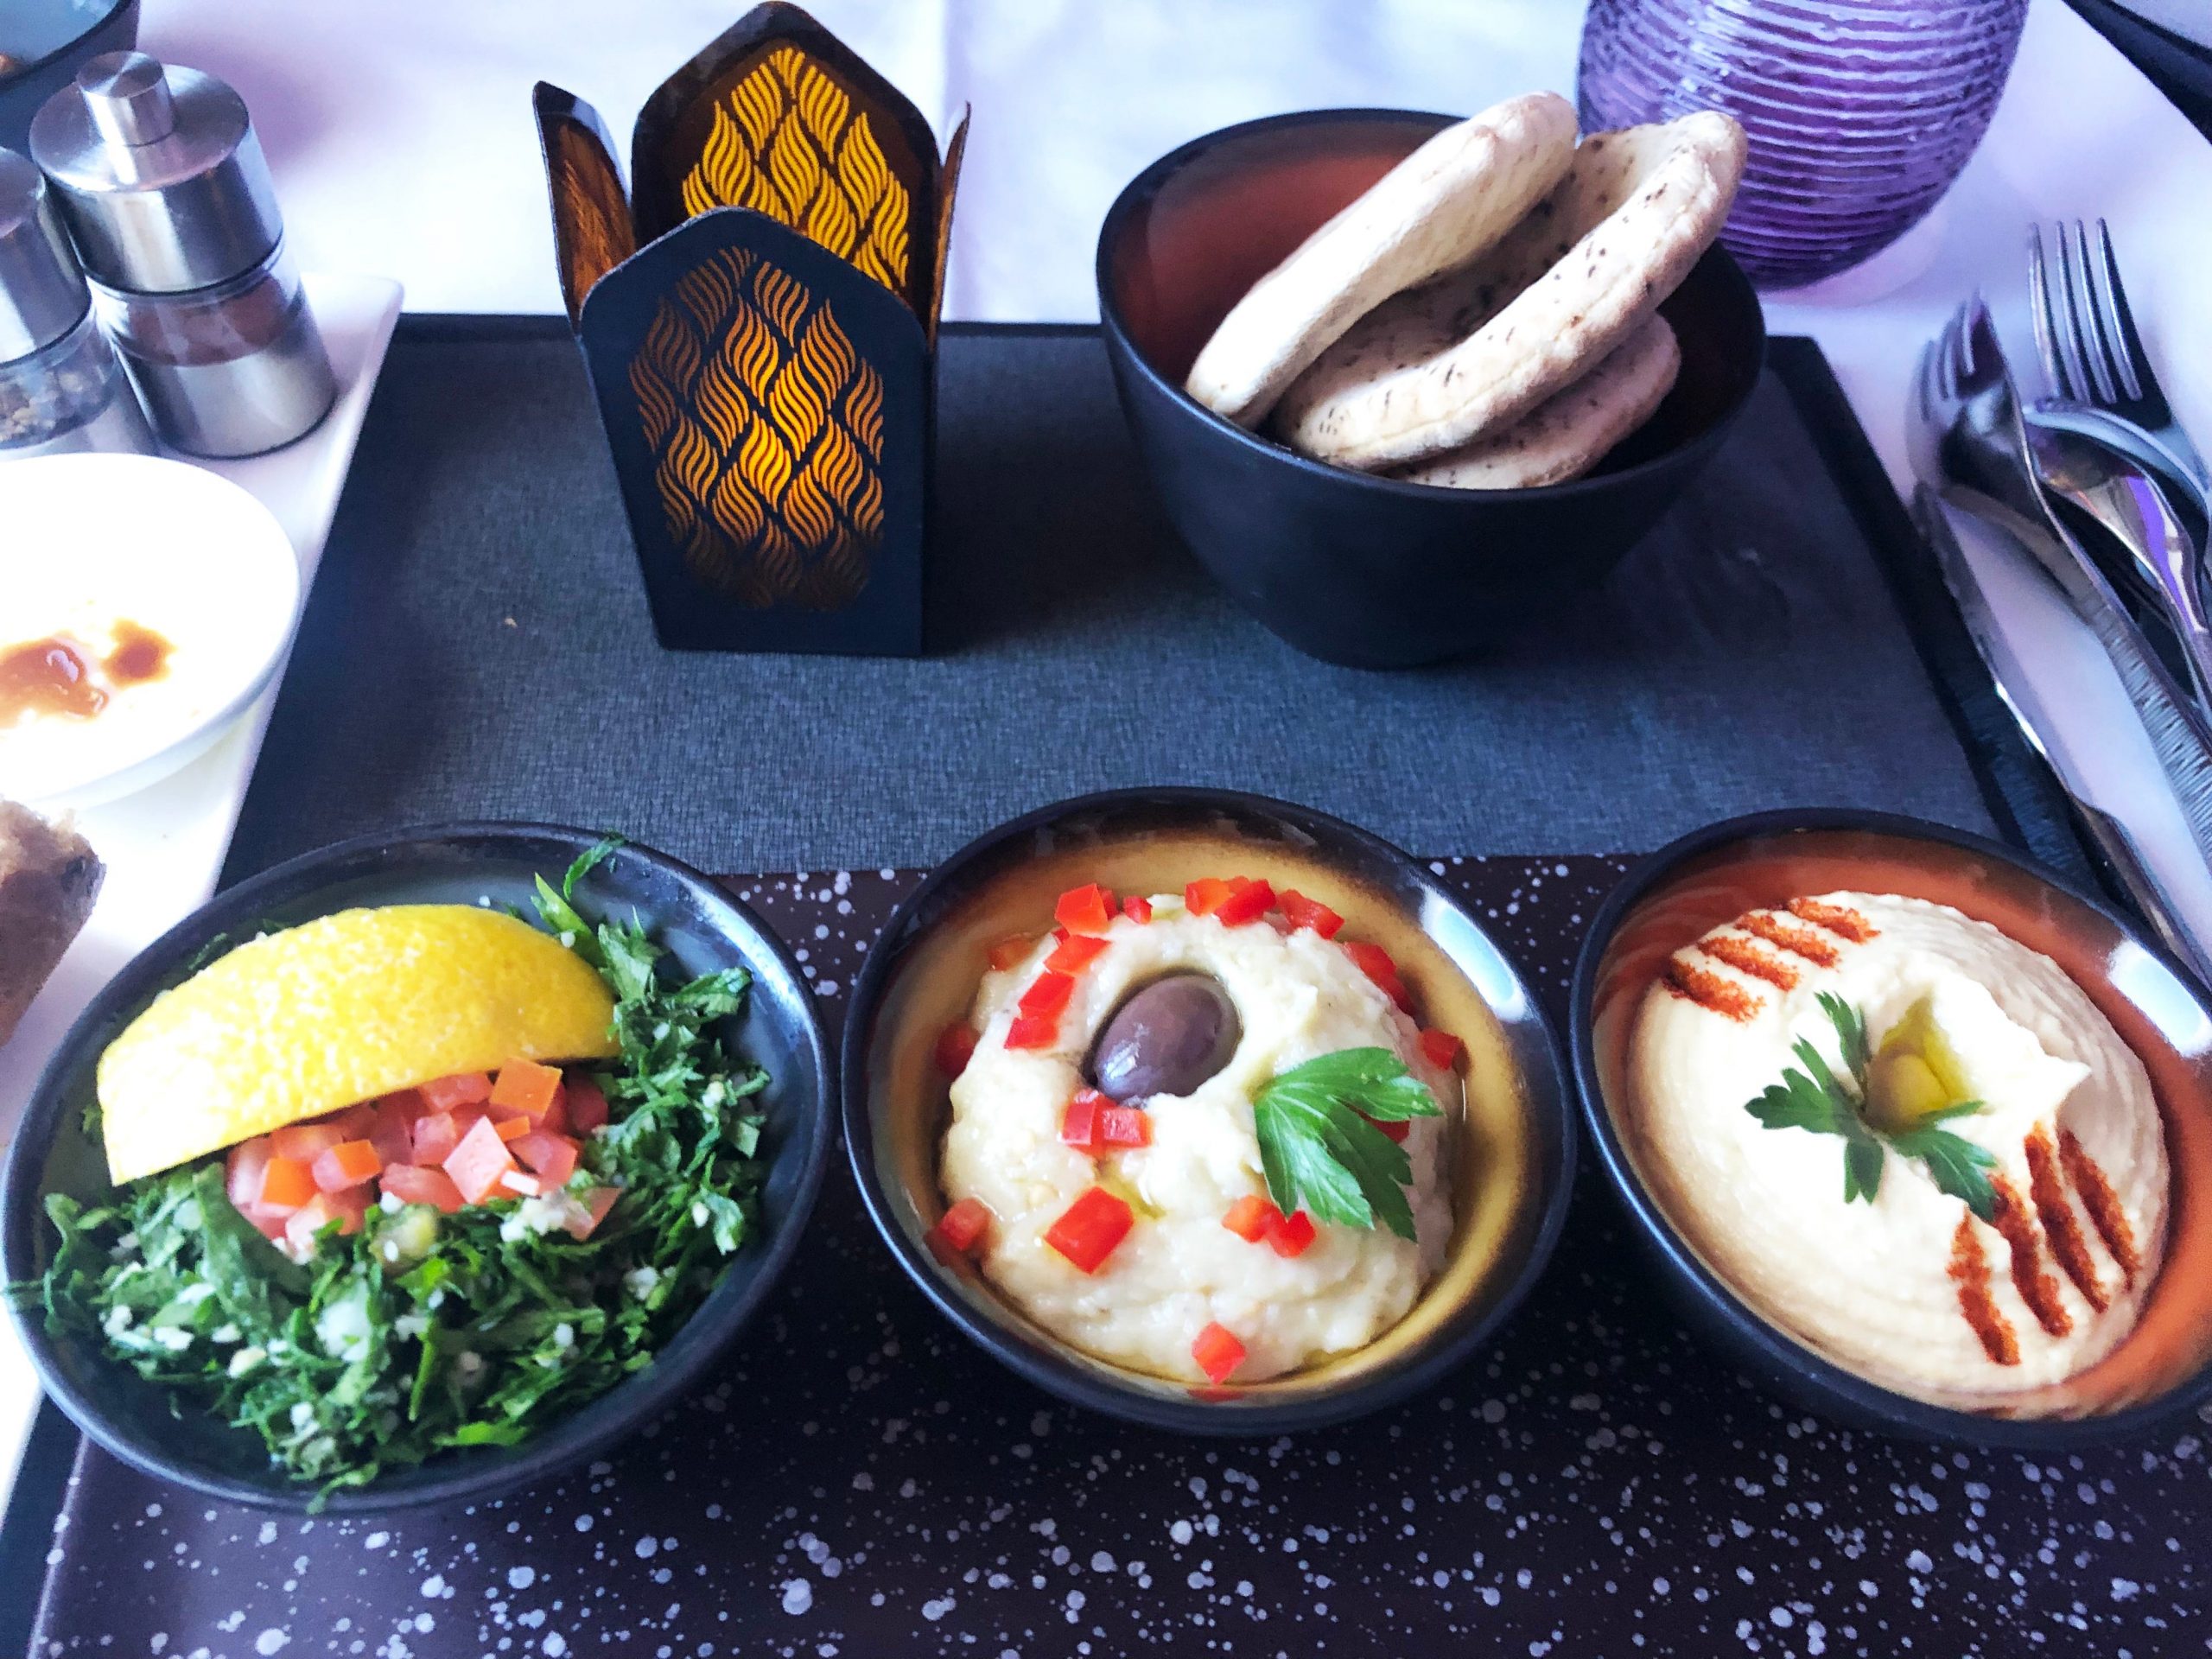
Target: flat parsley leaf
x=1817 y=1101
x=1320 y=1147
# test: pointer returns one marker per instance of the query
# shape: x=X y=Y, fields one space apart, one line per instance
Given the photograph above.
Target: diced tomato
x=1079 y=1123
x=270 y=1224
x=527 y=1084
x=551 y=1158
x=959 y=1231
x=955 y=1046
x=1375 y=961
x=1123 y=1126
x=347 y=1163
x=1047 y=993
x=1445 y=1052
x=1300 y=912
x=346 y=1209
x=1218 y=1352
x=587 y=1106
x=391 y=1129
x=286 y=1183
x=1393 y=1128
x=243 y=1169
x=554 y=1120
x=1034 y=1031
x=412 y=1185
x=1084 y=909
x=302 y=1142
x=480 y=1162
x=510 y=1129
x=1247 y=902
x=462 y=1089
x=1206 y=895
x=1073 y=954
x=1137 y=908
x=437 y=1134
x=596 y=1203
x=1088 y=1228
x=352 y=1122
x=1250 y=1217
x=1291 y=1235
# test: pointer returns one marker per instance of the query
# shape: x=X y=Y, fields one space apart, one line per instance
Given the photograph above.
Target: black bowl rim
x=1042 y=1363
x=22 y=71
x=553 y=1451
x=1783 y=1354
x=1146 y=185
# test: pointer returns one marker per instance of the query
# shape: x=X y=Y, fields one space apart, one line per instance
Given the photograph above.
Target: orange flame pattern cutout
x=766 y=431
x=788 y=143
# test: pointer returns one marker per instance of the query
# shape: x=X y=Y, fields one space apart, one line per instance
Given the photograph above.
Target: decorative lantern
x=759 y=318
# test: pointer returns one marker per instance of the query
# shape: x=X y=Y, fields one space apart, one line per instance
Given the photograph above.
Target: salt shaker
x=60 y=388
x=162 y=182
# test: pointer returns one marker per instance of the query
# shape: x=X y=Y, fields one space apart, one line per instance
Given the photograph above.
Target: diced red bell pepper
x=1011 y=950
x=1084 y=909
x=1123 y=1127
x=1393 y=1128
x=462 y=1089
x=1248 y=901
x=1217 y=1352
x=587 y=1106
x=1137 y=908
x=596 y=1203
x=1375 y=961
x=956 y=1046
x=1250 y=1217
x=1079 y=1122
x=959 y=1231
x=1206 y=895
x=480 y=1163
x=304 y=1142
x=286 y=1183
x=243 y=1171
x=1290 y=1235
x=551 y=1158
x=346 y=1208
x=1047 y=993
x=1445 y=1052
x=349 y=1163
x=412 y=1185
x=1300 y=912
x=1034 y=1031
x=526 y=1086
x=1073 y=954
x=1088 y=1228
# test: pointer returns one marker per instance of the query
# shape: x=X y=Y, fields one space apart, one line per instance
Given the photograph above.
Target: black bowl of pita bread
x=1402 y=381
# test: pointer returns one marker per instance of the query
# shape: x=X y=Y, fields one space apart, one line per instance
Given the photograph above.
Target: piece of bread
x=48 y=879
x=1571 y=431
x=1437 y=369
x=1440 y=207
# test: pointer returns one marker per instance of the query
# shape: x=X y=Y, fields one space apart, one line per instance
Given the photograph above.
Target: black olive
x=1166 y=1039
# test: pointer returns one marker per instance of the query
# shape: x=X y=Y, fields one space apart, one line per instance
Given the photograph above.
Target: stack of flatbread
x=1486 y=316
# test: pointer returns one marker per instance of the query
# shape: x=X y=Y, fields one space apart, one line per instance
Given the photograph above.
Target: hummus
x=1180 y=1269
x=1911 y=1290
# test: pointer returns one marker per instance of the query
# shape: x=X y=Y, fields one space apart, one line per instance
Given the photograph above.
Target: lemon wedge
x=340 y=1009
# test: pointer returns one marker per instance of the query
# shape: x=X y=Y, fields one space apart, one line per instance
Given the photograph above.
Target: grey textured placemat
x=477 y=645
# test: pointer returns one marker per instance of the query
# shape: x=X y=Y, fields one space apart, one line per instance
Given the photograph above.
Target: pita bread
x=1437 y=369
x=1440 y=207
x=1570 y=431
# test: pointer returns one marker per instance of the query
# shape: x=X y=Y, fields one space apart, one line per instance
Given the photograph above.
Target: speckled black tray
x=865 y=1483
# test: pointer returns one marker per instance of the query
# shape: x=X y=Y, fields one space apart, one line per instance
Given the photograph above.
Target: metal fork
x=2085 y=334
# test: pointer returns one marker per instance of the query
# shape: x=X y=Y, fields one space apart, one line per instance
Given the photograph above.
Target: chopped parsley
x=420 y=1331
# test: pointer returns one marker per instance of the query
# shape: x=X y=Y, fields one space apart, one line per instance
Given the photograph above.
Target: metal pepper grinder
x=162 y=182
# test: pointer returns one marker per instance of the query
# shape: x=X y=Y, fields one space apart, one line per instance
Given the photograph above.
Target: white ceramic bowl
x=92 y=541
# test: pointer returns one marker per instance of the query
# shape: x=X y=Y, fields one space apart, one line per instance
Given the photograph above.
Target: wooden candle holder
x=758 y=319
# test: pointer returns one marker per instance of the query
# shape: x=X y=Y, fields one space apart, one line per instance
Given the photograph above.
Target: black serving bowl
x=47 y=42
x=2162 y=1370
x=703 y=928
x=1350 y=566
x=1514 y=1148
